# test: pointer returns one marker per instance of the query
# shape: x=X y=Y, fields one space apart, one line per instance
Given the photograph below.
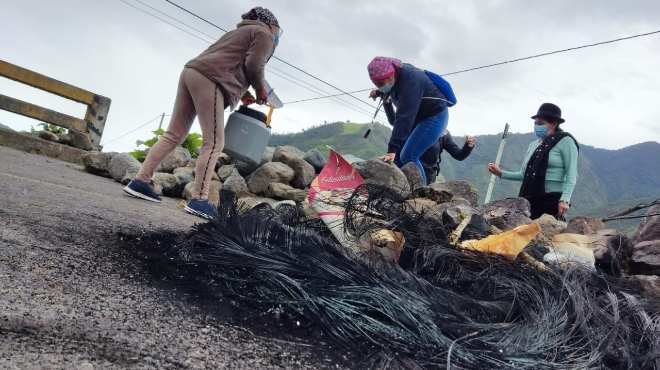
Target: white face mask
x=385 y=89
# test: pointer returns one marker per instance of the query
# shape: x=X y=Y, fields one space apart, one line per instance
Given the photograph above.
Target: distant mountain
x=609 y=179
x=346 y=138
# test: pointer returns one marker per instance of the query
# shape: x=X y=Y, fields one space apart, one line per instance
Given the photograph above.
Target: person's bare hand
x=389 y=157
x=374 y=94
x=262 y=96
x=470 y=141
x=495 y=169
x=563 y=208
x=248 y=99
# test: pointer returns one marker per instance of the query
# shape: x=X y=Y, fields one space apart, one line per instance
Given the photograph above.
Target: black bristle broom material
x=440 y=308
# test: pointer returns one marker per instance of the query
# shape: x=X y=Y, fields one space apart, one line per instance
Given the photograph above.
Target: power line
x=275 y=57
x=504 y=62
x=308 y=86
x=211 y=37
x=326 y=96
x=163 y=20
x=294 y=80
x=135 y=129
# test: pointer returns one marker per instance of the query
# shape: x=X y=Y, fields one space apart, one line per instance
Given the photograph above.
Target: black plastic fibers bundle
x=440 y=308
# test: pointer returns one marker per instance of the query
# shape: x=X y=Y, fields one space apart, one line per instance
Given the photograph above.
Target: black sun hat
x=549 y=111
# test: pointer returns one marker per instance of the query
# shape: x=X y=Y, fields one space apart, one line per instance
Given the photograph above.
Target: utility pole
x=498 y=159
x=162 y=118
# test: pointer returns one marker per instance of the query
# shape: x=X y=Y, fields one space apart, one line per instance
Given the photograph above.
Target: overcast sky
x=609 y=94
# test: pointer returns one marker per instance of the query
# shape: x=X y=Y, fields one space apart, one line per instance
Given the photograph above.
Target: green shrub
x=192 y=142
x=57 y=130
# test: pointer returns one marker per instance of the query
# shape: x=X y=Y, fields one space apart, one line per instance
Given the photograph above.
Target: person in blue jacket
x=421 y=116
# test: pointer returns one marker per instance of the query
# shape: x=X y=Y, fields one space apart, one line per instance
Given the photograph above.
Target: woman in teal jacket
x=550 y=168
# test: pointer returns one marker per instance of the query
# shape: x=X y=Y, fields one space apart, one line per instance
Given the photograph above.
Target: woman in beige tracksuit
x=218 y=78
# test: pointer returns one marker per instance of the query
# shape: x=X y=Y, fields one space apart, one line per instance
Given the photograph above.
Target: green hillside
x=344 y=137
x=609 y=179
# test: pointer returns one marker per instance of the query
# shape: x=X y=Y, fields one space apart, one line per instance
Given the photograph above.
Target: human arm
x=569 y=154
x=410 y=96
x=457 y=153
x=520 y=174
x=260 y=49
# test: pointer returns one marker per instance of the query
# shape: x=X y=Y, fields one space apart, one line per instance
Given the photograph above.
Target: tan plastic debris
x=571 y=248
x=508 y=244
x=387 y=243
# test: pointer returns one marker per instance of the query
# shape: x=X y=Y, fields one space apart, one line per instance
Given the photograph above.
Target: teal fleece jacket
x=562 y=173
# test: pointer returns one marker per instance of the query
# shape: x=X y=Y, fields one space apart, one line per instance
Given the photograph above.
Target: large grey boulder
x=550 y=227
x=304 y=172
x=268 y=155
x=290 y=149
x=507 y=214
x=121 y=164
x=223 y=159
x=385 y=174
x=412 y=174
x=214 y=174
x=433 y=194
x=611 y=249
x=423 y=206
x=584 y=225
x=649 y=227
x=285 y=192
x=184 y=175
x=169 y=184
x=270 y=172
x=460 y=189
x=236 y=183
x=98 y=163
x=243 y=167
x=648 y=284
x=645 y=258
x=455 y=214
x=49 y=136
x=227 y=171
x=76 y=139
x=316 y=159
x=180 y=157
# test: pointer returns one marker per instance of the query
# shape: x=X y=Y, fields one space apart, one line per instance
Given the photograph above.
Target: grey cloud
x=139 y=60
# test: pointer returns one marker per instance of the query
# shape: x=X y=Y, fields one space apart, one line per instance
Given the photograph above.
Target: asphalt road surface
x=73 y=297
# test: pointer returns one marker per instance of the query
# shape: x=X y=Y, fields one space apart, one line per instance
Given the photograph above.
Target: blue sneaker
x=202 y=208
x=142 y=190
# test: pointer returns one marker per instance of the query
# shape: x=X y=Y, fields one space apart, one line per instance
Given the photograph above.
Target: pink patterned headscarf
x=382 y=68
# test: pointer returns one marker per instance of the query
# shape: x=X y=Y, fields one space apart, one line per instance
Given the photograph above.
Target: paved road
x=71 y=297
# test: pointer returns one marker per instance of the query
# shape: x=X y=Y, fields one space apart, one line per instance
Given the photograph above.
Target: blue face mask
x=276 y=39
x=540 y=131
x=385 y=89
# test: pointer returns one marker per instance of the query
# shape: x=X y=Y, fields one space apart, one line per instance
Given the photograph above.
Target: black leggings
x=547 y=203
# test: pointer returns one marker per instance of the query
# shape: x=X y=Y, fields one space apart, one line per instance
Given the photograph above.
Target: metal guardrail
x=91 y=126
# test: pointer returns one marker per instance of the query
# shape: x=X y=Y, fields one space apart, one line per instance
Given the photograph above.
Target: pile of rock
x=71 y=138
x=285 y=174
x=645 y=253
